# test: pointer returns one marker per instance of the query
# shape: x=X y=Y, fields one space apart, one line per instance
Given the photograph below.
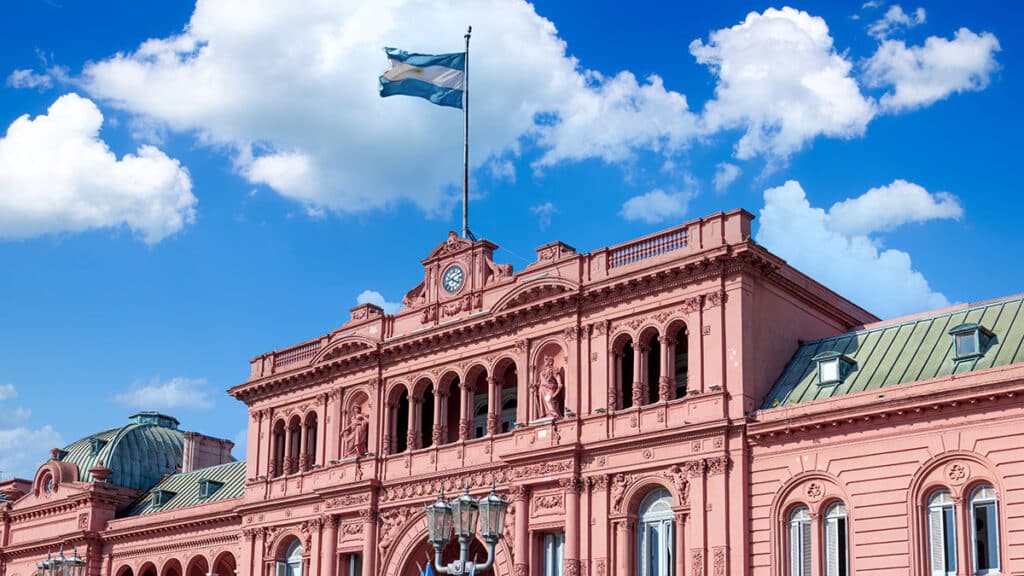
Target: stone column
x=494 y=405
x=439 y=414
x=466 y=411
x=369 y=517
x=303 y=439
x=680 y=543
x=415 y=423
x=623 y=548
x=521 y=501
x=639 y=363
x=288 y=456
x=571 y=488
x=329 y=558
x=667 y=381
x=615 y=383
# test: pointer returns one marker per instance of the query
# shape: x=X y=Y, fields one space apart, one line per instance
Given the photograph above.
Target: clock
x=453 y=278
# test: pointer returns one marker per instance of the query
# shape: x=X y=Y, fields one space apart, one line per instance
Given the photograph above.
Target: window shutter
x=794 y=549
x=805 y=546
x=832 y=547
x=937 y=542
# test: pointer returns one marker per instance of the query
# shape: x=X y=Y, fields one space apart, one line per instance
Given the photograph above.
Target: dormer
x=970 y=341
x=833 y=367
x=208 y=487
x=161 y=497
x=95 y=445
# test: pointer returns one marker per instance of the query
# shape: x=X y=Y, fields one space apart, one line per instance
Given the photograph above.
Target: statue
x=353 y=438
x=549 y=389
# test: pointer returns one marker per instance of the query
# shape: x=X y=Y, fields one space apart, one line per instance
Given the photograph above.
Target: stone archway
x=401 y=557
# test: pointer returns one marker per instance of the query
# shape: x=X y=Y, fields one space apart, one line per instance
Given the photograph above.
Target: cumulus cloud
x=921 y=75
x=57 y=176
x=303 y=116
x=894 y=20
x=23 y=449
x=852 y=263
x=656 y=206
x=780 y=107
x=374 y=297
x=888 y=207
x=544 y=213
x=29 y=79
x=7 y=392
x=725 y=175
x=186 y=393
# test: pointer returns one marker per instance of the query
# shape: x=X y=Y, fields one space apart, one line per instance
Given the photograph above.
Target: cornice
x=164 y=526
x=189 y=544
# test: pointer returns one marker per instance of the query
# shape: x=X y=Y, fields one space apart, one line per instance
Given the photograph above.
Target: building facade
x=682 y=404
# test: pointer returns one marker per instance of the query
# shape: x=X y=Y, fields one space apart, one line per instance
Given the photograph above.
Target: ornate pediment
x=344 y=346
x=535 y=290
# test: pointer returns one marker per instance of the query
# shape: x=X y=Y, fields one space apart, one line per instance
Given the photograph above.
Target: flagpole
x=465 y=144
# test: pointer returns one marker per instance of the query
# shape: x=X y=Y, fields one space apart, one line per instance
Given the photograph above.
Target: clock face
x=452 y=279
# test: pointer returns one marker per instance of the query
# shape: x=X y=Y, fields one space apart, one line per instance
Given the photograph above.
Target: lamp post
x=61 y=565
x=462 y=515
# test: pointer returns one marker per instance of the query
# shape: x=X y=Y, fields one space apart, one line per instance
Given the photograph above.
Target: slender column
x=571 y=487
x=289 y=432
x=521 y=500
x=330 y=554
x=415 y=422
x=666 y=383
x=639 y=362
x=466 y=401
x=680 y=543
x=303 y=445
x=623 y=549
x=615 y=388
x=494 y=405
x=369 y=517
x=389 y=428
x=439 y=399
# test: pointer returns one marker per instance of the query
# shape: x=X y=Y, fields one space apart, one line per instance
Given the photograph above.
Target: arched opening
x=505 y=419
x=171 y=568
x=652 y=367
x=681 y=357
x=290 y=563
x=308 y=458
x=294 y=444
x=427 y=418
x=623 y=355
x=147 y=569
x=985 y=529
x=277 y=452
x=124 y=571
x=417 y=559
x=656 y=547
x=800 y=542
x=400 y=431
x=225 y=565
x=479 y=403
x=837 y=541
x=197 y=566
x=452 y=410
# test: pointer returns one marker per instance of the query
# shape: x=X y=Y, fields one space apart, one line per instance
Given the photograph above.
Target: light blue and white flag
x=436 y=77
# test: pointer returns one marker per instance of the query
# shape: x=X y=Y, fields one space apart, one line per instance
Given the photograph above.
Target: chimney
x=201 y=451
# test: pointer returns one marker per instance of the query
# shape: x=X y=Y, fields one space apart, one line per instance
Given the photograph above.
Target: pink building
x=682 y=404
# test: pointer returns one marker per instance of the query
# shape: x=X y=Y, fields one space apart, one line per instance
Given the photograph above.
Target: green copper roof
x=185 y=487
x=139 y=454
x=909 y=351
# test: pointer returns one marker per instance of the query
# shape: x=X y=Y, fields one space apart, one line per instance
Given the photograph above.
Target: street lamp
x=461 y=514
x=61 y=565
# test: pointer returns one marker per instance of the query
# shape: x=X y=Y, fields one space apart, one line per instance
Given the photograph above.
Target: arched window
x=480 y=417
x=652 y=363
x=800 y=542
x=624 y=375
x=682 y=362
x=941 y=534
x=277 y=460
x=400 y=434
x=309 y=451
x=655 y=535
x=292 y=564
x=837 y=556
x=985 y=529
x=508 y=409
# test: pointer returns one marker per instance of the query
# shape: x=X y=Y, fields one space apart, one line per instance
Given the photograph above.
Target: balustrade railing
x=297 y=354
x=650 y=247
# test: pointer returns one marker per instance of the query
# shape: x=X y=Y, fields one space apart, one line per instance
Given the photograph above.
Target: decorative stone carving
x=697 y=562
x=694 y=468
x=716 y=298
x=677 y=474
x=691 y=305
x=718 y=562
x=619 y=484
x=958 y=472
x=571 y=567
x=814 y=491
x=572 y=333
x=521 y=569
x=553 y=501
x=550 y=388
x=717 y=465
x=391 y=522
x=354 y=437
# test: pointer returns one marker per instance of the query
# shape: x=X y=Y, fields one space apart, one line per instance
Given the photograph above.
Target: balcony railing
x=649 y=247
x=297 y=354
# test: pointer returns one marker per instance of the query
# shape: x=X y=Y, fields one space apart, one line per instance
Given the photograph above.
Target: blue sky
x=184 y=187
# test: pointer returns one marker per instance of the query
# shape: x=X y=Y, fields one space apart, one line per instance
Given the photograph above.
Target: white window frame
x=837 y=566
x=939 y=504
x=656 y=518
x=800 y=555
x=292 y=565
x=985 y=500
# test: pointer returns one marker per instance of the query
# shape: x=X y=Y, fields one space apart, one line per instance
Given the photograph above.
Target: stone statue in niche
x=354 y=437
x=549 y=389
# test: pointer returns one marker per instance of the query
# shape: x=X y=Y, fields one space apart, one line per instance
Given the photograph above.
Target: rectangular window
x=828 y=370
x=986 y=539
x=966 y=344
x=355 y=565
x=942 y=540
x=836 y=558
x=800 y=548
x=553 y=553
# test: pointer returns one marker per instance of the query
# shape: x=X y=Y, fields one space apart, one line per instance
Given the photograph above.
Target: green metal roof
x=185 y=487
x=138 y=454
x=903 y=351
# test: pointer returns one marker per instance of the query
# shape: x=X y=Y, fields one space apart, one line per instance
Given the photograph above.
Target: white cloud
x=292 y=91
x=871 y=4
x=895 y=19
x=656 y=206
x=57 y=175
x=29 y=79
x=186 y=393
x=781 y=80
x=725 y=175
x=888 y=207
x=921 y=75
x=544 y=213
x=374 y=297
x=8 y=392
x=881 y=280
x=23 y=449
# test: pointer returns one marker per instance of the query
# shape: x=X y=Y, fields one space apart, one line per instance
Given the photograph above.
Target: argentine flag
x=436 y=77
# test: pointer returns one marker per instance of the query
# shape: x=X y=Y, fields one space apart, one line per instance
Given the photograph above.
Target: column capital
x=520 y=493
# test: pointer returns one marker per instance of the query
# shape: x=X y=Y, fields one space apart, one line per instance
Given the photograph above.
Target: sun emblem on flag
x=417 y=70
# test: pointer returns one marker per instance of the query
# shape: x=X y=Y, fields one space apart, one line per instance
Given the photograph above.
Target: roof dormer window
x=833 y=367
x=969 y=341
x=96 y=444
x=161 y=497
x=208 y=487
